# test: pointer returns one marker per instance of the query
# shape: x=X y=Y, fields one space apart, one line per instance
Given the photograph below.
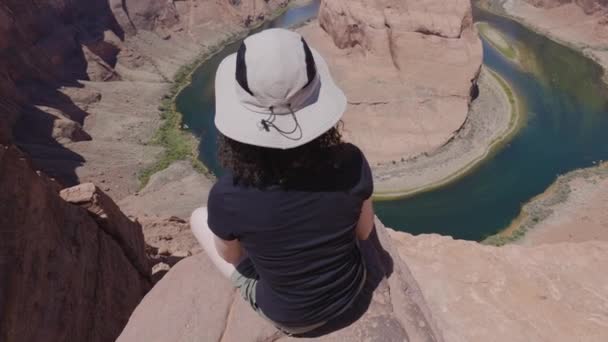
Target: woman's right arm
x=366 y=220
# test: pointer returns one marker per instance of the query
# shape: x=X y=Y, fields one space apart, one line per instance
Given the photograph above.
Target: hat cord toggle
x=267 y=124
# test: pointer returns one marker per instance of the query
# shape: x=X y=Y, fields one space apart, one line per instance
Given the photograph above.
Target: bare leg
x=198 y=224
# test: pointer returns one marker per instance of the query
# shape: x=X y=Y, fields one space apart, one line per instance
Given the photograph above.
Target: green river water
x=566 y=105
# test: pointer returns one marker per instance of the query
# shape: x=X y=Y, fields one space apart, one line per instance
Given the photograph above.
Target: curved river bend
x=567 y=125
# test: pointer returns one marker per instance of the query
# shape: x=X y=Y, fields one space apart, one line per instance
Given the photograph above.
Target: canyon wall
x=81 y=80
x=71 y=268
x=80 y=83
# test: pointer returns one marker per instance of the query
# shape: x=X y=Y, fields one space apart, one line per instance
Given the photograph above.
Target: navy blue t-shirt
x=301 y=240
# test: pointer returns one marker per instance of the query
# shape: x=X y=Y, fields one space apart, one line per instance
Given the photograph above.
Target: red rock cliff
x=72 y=266
x=71 y=270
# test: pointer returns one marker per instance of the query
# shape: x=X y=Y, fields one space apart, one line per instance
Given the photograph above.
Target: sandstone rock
x=181 y=254
x=97 y=68
x=416 y=63
x=166 y=235
x=192 y=312
x=511 y=293
x=65 y=130
x=205 y=307
x=82 y=96
x=175 y=191
x=455 y=291
x=144 y=14
x=126 y=233
x=50 y=44
x=164 y=251
x=64 y=270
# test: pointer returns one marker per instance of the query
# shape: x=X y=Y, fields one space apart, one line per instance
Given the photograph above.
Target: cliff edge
x=427 y=288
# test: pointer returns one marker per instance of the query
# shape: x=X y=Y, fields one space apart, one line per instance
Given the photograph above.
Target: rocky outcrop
x=71 y=270
x=205 y=307
x=427 y=288
x=372 y=24
x=174 y=191
x=416 y=63
x=512 y=293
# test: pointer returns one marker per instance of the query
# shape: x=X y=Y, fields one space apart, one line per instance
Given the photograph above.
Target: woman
x=285 y=220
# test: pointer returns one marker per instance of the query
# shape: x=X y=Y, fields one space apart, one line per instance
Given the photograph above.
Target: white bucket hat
x=276 y=92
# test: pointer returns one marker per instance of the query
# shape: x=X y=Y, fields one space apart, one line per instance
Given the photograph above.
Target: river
x=566 y=106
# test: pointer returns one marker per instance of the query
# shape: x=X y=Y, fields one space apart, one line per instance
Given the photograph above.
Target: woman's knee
x=198 y=219
x=200 y=229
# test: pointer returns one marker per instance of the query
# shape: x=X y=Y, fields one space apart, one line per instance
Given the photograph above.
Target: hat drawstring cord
x=269 y=123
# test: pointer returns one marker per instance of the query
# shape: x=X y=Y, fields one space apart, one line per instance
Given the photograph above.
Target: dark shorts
x=245 y=279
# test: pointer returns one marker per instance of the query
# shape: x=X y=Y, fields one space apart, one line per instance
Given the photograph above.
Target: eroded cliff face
x=60 y=59
x=72 y=268
x=80 y=82
x=407 y=67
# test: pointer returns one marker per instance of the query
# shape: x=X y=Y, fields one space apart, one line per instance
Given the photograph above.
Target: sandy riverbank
x=494 y=118
x=573 y=209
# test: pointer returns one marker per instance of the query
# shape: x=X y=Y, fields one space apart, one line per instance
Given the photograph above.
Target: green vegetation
x=177 y=143
x=498 y=41
x=500 y=240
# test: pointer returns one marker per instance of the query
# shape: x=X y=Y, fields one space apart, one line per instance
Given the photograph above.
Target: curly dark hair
x=262 y=167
